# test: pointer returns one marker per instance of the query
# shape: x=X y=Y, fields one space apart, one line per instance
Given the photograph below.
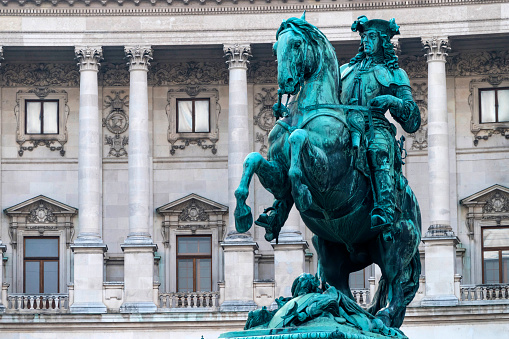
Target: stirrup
x=266 y=219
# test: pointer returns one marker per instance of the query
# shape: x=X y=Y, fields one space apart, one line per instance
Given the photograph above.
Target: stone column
x=289 y=255
x=440 y=241
x=88 y=247
x=138 y=247
x=238 y=248
x=3 y=247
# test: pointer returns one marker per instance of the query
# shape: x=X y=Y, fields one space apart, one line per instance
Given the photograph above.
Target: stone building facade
x=124 y=125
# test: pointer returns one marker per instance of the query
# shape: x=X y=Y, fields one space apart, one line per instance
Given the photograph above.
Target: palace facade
x=124 y=125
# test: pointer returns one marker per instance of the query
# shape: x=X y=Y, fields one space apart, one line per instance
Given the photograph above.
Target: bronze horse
x=312 y=163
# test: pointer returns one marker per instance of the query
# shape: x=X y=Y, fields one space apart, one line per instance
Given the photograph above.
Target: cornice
x=182 y=7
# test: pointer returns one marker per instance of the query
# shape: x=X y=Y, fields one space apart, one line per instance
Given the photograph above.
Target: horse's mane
x=313 y=36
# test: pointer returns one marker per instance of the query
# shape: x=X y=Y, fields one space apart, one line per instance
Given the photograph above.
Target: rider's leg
x=381 y=162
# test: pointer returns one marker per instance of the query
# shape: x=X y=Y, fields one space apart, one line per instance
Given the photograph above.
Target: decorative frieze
x=237 y=55
x=420 y=137
x=264 y=119
x=480 y=63
x=436 y=48
x=188 y=73
x=42 y=75
x=415 y=66
x=262 y=72
x=139 y=57
x=117 y=123
x=89 y=57
x=114 y=75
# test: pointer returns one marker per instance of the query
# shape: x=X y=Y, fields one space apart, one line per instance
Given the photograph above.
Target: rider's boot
x=273 y=218
x=382 y=216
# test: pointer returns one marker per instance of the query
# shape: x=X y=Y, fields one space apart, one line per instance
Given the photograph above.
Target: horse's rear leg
x=271 y=175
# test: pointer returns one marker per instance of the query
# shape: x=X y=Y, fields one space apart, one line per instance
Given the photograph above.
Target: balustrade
x=362 y=297
x=484 y=292
x=189 y=300
x=35 y=303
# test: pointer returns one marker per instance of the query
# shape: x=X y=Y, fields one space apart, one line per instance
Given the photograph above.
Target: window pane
x=185 y=275
x=357 y=279
x=491 y=268
x=505 y=266
x=201 y=115
x=50 y=119
x=41 y=247
x=187 y=245
x=51 y=277
x=32 y=277
x=204 y=274
x=487 y=106
x=495 y=237
x=503 y=105
x=185 y=117
x=33 y=117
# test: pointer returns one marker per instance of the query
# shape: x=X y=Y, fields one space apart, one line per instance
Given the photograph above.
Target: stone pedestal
x=88 y=278
x=138 y=278
x=238 y=273
x=440 y=271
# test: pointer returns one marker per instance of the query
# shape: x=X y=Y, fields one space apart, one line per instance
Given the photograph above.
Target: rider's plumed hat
x=389 y=28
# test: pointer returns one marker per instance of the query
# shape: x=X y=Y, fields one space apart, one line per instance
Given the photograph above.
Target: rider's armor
x=362 y=82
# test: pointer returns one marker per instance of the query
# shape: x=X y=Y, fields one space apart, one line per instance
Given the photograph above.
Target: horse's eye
x=297 y=44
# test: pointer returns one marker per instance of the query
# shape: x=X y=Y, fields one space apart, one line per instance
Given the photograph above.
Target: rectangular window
x=40 y=262
x=357 y=280
x=193 y=115
x=194 y=263
x=493 y=105
x=41 y=116
x=495 y=255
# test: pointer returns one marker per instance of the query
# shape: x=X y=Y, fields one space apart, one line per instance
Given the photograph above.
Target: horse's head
x=297 y=54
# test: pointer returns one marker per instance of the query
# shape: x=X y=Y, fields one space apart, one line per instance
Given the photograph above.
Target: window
x=494 y=105
x=357 y=280
x=495 y=255
x=41 y=116
x=194 y=263
x=40 y=265
x=41 y=119
x=193 y=115
x=193 y=119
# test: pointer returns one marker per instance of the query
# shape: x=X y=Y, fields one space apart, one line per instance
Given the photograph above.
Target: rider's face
x=371 y=42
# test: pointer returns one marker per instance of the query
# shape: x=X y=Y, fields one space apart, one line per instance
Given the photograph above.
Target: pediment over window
x=41 y=214
x=192 y=212
x=490 y=204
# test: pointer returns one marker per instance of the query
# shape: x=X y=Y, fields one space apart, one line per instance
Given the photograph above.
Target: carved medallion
x=193 y=212
x=265 y=119
x=41 y=214
x=116 y=122
x=498 y=202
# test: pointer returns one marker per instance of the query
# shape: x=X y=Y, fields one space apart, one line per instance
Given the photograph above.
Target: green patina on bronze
x=333 y=154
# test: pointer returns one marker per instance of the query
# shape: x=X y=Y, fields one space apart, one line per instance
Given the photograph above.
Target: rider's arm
x=406 y=111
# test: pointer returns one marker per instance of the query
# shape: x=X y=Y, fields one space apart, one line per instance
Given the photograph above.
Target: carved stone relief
x=179 y=141
x=262 y=72
x=264 y=119
x=193 y=211
x=114 y=74
x=188 y=73
x=420 y=94
x=497 y=202
x=415 y=66
x=479 y=63
x=41 y=214
x=117 y=123
x=55 y=142
x=18 y=75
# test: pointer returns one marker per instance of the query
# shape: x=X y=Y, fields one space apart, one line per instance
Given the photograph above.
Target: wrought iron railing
x=37 y=303
x=189 y=300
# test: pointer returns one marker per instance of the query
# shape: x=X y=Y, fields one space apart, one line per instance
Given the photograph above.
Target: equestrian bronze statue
x=333 y=153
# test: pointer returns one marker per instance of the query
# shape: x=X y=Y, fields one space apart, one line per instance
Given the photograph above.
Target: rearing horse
x=313 y=164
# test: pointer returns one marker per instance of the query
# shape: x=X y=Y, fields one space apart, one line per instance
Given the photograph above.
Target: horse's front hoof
x=302 y=198
x=243 y=218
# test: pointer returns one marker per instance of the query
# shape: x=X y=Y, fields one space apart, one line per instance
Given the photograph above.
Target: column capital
x=439 y=230
x=1 y=54
x=396 y=45
x=89 y=57
x=436 y=48
x=139 y=57
x=237 y=55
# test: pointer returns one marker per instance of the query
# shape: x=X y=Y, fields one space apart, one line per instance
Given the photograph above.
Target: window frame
x=41 y=101
x=490 y=89
x=493 y=249
x=181 y=140
x=41 y=261
x=193 y=114
x=194 y=256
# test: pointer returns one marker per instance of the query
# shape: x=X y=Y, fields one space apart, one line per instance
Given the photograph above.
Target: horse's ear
x=303 y=17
